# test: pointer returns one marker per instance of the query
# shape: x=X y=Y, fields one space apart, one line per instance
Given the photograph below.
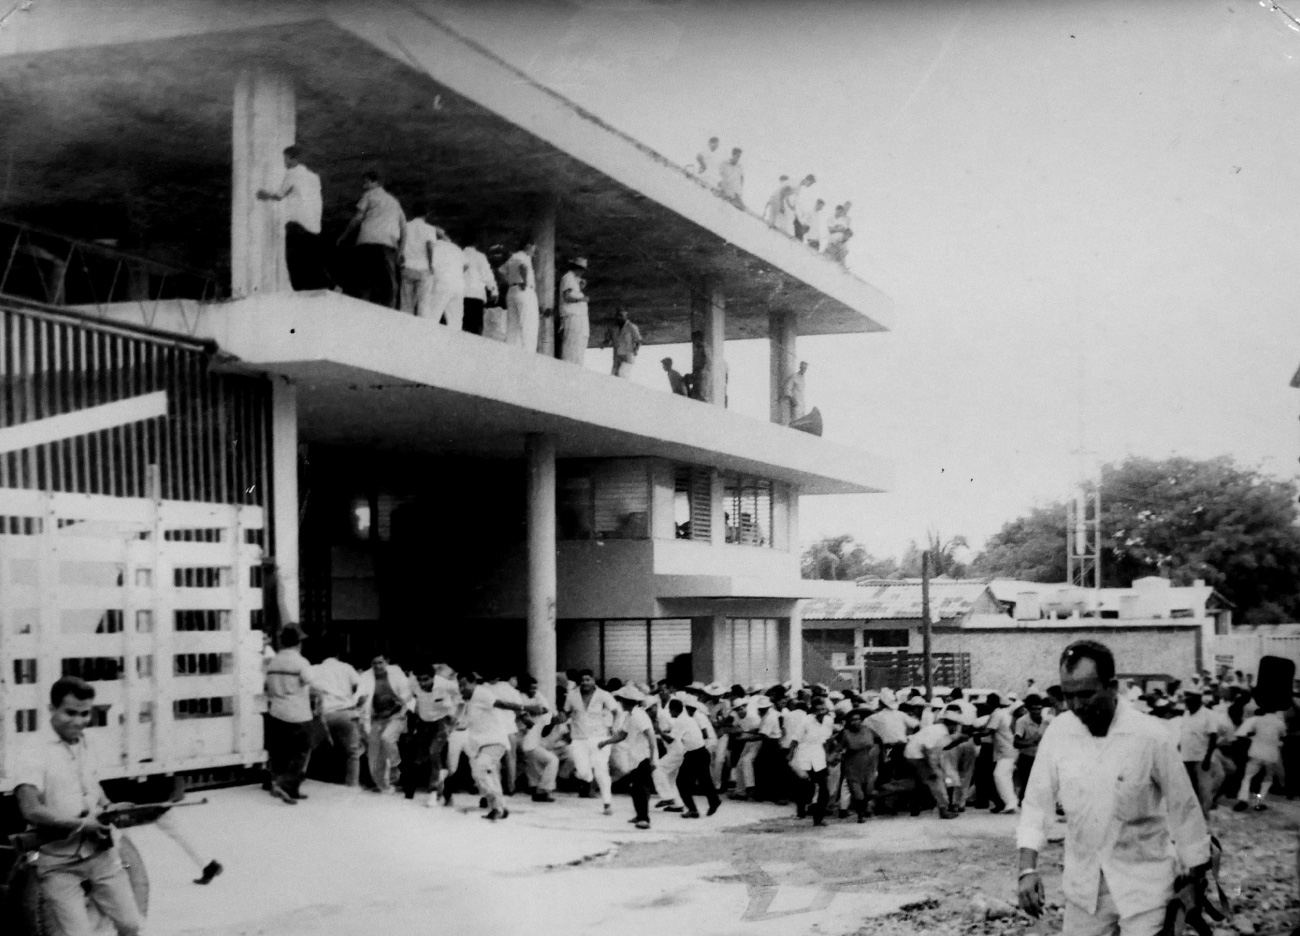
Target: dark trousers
x=288 y=745
x=641 y=781
x=695 y=772
x=423 y=751
x=303 y=257
x=817 y=794
x=376 y=274
x=1024 y=765
x=473 y=320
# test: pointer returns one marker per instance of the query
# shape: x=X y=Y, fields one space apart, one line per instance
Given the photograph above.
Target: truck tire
x=36 y=915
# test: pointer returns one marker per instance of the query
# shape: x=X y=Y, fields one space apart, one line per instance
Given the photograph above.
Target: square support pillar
x=544 y=220
x=264 y=121
x=782 y=336
x=710 y=650
x=284 y=494
x=540 y=453
x=789 y=642
x=709 y=361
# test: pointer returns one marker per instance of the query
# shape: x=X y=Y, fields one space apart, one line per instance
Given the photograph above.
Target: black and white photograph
x=649 y=467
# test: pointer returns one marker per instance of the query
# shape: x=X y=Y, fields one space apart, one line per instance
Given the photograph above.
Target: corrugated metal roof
x=897 y=600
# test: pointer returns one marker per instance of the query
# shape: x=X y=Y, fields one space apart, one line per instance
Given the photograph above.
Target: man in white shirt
x=731 y=180
x=1198 y=738
x=447 y=295
x=706 y=164
x=480 y=285
x=523 y=314
x=1132 y=814
x=625 y=338
x=300 y=208
x=379 y=223
x=58 y=793
x=816 y=237
x=808 y=759
x=416 y=257
x=803 y=207
x=383 y=695
x=1001 y=726
x=591 y=712
x=288 y=681
x=575 y=325
x=338 y=683
x=540 y=764
x=1265 y=731
x=924 y=755
x=487 y=739
x=637 y=734
x=436 y=696
x=793 y=393
x=694 y=771
x=504 y=688
x=779 y=210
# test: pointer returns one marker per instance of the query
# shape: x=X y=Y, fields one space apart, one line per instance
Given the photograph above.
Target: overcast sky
x=1086 y=215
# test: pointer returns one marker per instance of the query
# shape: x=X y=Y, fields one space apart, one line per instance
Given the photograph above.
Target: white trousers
x=1004 y=772
x=745 y=767
x=449 y=302
x=1107 y=921
x=1272 y=771
x=591 y=761
x=486 y=768
x=523 y=318
x=575 y=333
x=718 y=761
x=542 y=767
x=665 y=775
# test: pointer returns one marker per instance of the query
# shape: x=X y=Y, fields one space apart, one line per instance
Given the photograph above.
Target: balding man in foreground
x=1134 y=822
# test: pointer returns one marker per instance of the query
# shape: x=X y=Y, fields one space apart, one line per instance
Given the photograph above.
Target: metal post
x=926 y=661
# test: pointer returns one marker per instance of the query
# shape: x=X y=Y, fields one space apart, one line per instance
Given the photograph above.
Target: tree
x=1180 y=518
x=943 y=557
x=841 y=558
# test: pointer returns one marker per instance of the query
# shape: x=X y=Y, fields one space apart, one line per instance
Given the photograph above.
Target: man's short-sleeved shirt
x=1004 y=741
x=1029 y=730
x=382 y=219
x=479 y=279
x=337 y=683
x=571 y=282
x=891 y=725
x=685 y=729
x=627 y=339
x=770 y=725
x=1194 y=732
x=66 y=777
x=932 y=737
x=420 y=238
x=482 y=718
x=636 y=724
x=288 y=681
x=508 y=718
x=518 y=271
x=591 y=720
x=731 y=180
x=300 y=198
x=1266 y=733
x=448 y=266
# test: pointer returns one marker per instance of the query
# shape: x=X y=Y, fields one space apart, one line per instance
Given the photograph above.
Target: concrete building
x=427 y=491
x=977 y=643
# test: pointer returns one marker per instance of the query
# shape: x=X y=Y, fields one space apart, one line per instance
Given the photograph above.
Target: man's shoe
x=482 y=802
x=543 y=797
x=1260 y=807
x=279 y=793
x=844 y=814
x=819 y=820
x=643 y=823
x=210 y=870
x=298 y=794
x=945 y=813
x=1240 y=806
x=691 y=815
x=608 y=810
x=713 y=809
x=662 y=803
x=494 y=815
x=862 y=817
x=800 y=811
x=674 y=808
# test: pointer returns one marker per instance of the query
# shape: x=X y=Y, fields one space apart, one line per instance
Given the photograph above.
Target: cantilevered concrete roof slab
x=119 y=114
x=376 y=379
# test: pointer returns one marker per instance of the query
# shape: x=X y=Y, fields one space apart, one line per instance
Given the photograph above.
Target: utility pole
x=926 y=662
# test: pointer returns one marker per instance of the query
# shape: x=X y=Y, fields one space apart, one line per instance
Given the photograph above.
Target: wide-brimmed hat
x=630 y=693
x=714 y=689
x=579 y=262
x=762 y=702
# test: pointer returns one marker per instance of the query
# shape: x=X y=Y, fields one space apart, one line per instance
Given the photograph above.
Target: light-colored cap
x=630 y=693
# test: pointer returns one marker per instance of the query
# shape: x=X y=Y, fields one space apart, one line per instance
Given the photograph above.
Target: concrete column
x=264 y=124
x=284 y=481
x=710 y=650
x=540 y=451
x=715 y=340
x=782 y=337
x=544 y=235
x=790 y=646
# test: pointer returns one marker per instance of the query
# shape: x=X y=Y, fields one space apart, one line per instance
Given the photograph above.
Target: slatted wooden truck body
x=131 y=545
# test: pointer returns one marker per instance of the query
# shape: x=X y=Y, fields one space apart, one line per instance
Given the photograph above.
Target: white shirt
x=382 y=220
x=685 y=730
x=448 y=266
x=439 y=702
x=479 y=279
x=1194 y=734
x=1129 y=805
x=891 y=726
x=571 y=282
x=706 y=164
x=1003 y=731
x=532 y=738
x=337 y=683
x=731 y=180
x=1266 y=733
x=810 y=750
x=66 y=777
x=483 y=719
x=637 y=723
x=770 y=726
x=591 y=720
x=300 y=199
x=791 y=725
x=518 y=271
x=507 y=693
x=932 y=737
x=817 y=228
x=416 y=244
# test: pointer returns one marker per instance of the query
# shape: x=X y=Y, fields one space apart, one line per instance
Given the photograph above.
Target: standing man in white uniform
x=447 y=299
x=575 y=324
x=416 y=256
x=523 y=315
x=1132 y=814
x=542 y=765
x=591 y=712
x=300 y=208
x=480 y=285
x=706 y=164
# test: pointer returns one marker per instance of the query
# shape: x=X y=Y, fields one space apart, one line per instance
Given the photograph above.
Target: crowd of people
x=828 y=753
x=793 y=209
x=406 y=260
